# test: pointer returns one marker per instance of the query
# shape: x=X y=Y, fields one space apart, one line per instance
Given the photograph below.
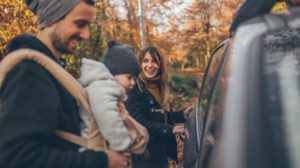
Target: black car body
x=248 y=113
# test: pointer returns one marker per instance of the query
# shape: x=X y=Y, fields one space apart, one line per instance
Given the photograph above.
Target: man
x=33 y=105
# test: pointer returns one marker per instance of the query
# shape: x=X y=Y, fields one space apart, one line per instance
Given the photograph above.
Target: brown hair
x=163 y=83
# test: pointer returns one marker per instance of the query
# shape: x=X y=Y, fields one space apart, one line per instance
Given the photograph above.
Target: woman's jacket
x=145 y=109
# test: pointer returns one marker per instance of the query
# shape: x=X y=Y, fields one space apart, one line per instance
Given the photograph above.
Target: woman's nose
x=149 y=64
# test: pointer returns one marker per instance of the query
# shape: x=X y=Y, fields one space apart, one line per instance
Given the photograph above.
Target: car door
x=195 y=124
x=260 y=121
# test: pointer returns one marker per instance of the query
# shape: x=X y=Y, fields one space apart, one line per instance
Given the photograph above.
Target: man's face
x=72 y=29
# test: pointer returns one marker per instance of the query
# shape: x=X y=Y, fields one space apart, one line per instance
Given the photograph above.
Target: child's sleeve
x=103 y=97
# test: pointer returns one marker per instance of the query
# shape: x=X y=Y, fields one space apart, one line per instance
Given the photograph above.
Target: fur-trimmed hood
x=93 y=70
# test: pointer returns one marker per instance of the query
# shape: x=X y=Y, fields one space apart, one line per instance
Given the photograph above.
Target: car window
x=215 y=113
x=281 y=98
x=195 y=123
x=210 y=77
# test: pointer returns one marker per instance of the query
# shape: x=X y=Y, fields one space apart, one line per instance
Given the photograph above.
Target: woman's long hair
x=163 y=83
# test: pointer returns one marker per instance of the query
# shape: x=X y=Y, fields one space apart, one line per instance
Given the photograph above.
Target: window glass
x=196 y=124
x=215 y=113
x=210 y=78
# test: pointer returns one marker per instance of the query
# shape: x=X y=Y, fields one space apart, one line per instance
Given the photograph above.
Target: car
x=248 y=111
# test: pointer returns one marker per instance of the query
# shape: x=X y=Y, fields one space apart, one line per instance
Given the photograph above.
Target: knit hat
x=50 y=11
x=121 y=59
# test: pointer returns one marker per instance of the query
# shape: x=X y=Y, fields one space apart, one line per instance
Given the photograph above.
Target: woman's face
x=150 y=67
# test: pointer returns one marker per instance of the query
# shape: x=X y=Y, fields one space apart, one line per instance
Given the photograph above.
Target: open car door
x=260 y=125
x=195 y=123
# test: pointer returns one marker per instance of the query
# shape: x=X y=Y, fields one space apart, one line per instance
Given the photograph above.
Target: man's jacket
x=33 y=105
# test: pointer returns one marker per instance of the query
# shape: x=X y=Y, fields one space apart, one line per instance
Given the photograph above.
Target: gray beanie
x=121 y=59
x=50 y=11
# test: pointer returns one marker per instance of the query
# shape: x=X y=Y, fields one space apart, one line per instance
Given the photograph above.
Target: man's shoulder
x=27 y=74
x=21 y=41
x=28 y=69
x=29 y=66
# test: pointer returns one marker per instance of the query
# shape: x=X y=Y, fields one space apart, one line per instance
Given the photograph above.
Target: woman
x=149 y=103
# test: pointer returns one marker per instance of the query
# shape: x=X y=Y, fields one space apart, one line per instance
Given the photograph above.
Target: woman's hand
x=178 y=129
x=187 y=112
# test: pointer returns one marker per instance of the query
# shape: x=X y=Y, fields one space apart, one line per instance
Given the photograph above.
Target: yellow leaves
x=15 y=19
x=71 y=60
x=73 y=64
x=279 y=7
x=28 y=13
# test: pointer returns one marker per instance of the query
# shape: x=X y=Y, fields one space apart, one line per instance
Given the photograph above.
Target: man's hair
x=89 y=2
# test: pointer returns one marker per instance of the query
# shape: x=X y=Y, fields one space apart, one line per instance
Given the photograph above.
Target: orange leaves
x=14 y=19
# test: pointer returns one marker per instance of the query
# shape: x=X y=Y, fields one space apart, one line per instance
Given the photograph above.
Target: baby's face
x=127 y=81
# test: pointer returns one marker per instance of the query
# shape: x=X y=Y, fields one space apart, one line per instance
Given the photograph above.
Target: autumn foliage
x=186 y=36
x=15 y=19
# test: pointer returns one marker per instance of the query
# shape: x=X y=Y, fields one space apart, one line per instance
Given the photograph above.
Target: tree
x=206 y=22
x=189 y=35
x=15 y=19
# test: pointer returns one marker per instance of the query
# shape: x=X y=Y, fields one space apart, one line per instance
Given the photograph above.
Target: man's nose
x=85 y=33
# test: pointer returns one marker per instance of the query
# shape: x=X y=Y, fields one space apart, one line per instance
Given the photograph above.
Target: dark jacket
x=33 y=105
x=145 y=109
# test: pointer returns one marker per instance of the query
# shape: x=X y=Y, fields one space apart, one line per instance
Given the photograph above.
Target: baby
x=106 y=85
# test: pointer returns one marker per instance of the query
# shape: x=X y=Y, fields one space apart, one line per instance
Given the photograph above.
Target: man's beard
x=62 y=44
